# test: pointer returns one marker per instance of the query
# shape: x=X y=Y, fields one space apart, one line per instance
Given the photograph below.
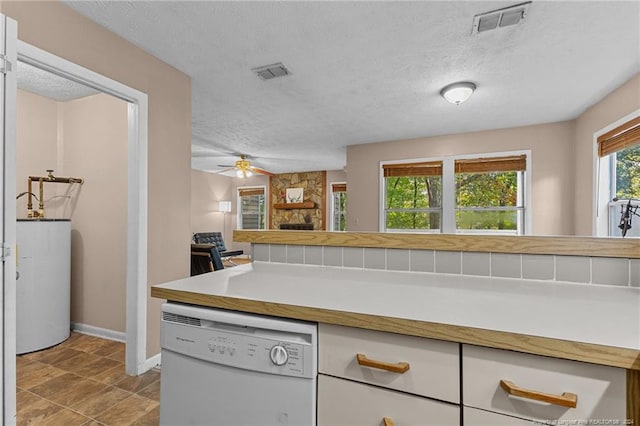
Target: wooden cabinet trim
x=633 y=396
x=289 y=206
x=574 y=246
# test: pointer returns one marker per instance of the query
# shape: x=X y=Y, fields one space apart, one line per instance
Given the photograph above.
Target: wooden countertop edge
x=575 y=246
x=576 y=351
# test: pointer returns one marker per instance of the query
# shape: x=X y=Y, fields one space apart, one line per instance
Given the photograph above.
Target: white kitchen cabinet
x=433 y=365
x=475 y=417
x=346 y=403
x=599 y=391
x=368 y=376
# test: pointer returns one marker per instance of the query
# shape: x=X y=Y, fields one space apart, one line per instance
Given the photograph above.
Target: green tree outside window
x=628 y=173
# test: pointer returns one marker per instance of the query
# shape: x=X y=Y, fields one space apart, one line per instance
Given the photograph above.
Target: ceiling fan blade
x=225 y=165
x=261 y=171
x=224 y=170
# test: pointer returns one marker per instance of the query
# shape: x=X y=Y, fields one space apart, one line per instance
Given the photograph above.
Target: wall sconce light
x=224 y=206
x=457 y=93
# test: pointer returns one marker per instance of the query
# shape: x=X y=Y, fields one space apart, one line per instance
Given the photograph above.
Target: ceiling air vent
x=268 y=72
x=499 y=18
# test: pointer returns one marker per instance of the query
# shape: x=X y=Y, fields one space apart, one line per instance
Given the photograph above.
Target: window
x=251 y=208
x=489 y=196
x=619 y=152
x=413 y=196
x=626 y=166
x=456 y=194
x=338 y=206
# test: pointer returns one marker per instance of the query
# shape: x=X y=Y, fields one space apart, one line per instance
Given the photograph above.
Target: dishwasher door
x=196 y=392
x=233 y=369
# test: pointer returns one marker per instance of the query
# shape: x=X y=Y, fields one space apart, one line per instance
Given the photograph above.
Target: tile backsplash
x=577 y=269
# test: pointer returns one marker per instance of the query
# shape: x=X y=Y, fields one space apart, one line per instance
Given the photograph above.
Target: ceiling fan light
x=248 y=173
x=239 y=173
x=457 y=93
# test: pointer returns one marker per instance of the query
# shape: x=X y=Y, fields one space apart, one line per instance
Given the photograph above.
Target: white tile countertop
x=591 y=314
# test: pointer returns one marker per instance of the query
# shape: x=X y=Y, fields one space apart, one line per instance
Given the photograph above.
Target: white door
x=8 y=87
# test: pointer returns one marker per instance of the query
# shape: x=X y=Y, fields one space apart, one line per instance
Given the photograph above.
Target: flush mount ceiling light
x=457 y=93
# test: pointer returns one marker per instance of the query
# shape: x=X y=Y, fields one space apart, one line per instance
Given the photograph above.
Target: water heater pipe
x=41 y=180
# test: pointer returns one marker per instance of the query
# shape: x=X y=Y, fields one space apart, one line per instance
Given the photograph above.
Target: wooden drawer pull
x=400 y=367
x=386 y=421
x=565 y=400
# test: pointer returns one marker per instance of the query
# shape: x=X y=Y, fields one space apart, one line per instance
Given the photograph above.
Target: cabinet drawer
x=475 y=417
x=343 y=402
x=600 y=390
x=434 y=366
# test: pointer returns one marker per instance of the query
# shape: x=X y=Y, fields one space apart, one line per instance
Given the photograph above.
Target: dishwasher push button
x=222 y=345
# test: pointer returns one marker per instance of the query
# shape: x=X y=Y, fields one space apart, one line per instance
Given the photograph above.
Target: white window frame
x=239 y=204
x=448 y=218
x=333 y=206
x=382 y=226
x=604 y=182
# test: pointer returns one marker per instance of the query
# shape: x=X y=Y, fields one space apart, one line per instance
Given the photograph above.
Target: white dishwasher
x=234 y=369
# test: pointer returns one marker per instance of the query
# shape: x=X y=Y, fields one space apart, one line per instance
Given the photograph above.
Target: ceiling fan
x=244 y=169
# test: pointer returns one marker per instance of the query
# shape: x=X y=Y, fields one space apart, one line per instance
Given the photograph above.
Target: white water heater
x=43 y=285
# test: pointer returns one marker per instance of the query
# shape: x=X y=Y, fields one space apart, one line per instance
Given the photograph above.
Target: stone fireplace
x=308 y=214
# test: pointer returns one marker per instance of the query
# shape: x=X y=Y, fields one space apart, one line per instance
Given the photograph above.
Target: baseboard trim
x=118 y=336
x=152 y=362
x=105 y=333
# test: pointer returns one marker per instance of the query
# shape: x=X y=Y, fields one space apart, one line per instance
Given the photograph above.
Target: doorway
x=76 y=136
x=136 y=234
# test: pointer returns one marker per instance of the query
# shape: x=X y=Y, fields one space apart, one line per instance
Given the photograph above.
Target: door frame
x=8 y=38
x=136 y=361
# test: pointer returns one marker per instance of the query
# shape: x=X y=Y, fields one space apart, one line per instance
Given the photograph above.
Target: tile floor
x=82 y=382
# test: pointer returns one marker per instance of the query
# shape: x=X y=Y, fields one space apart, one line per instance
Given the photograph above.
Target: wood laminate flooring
x=82 y=382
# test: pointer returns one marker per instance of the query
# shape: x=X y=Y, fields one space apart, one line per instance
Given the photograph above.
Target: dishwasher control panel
x=251 y=348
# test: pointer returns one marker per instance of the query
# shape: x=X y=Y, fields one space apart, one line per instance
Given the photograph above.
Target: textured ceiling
x=44 y=83
x=371 y=71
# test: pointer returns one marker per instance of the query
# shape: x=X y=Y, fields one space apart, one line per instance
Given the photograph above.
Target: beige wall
x=36 y=147
x=55 y=28
x=335 y=176
x=551 y=173
x=85 y=138
x=563 y=164
x=621 y=102
x=207 y=189
x=94 y=133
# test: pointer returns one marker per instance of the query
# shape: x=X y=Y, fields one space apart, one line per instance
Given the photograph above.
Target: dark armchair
x=215 y=238
x=205 y=258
